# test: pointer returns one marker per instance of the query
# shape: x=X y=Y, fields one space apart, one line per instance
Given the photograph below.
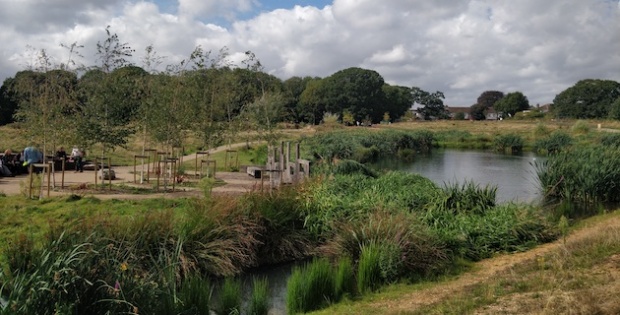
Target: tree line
x=204 y=94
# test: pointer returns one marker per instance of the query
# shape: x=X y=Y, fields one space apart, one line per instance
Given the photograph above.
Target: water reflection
x=514 y=175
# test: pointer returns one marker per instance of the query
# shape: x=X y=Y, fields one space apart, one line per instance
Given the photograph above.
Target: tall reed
x=259 y=301
x=230 y=297
x=369 y=269
x=311 y=287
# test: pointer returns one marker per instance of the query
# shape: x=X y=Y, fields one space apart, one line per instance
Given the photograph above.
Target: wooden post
x=62 y=177
x=96 y=169
x=49 y=175
x=158 y=173
x=31 y=170
x=109 y=172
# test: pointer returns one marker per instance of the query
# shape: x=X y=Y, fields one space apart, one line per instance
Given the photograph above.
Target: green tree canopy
x=489 y=98
x=432 y=102
x=587 y=99
x=512 y=103
x=360 y=91
x=398 y=100
x=8 y=101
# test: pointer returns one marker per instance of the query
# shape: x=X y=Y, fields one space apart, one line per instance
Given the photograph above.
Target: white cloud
x=459 y=47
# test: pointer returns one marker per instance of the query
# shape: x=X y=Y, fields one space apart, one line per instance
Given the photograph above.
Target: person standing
x=78 y=159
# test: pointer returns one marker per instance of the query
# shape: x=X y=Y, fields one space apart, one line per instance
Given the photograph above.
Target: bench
x=254 y=171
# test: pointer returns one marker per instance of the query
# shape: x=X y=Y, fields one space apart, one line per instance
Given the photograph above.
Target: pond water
x=514 y=175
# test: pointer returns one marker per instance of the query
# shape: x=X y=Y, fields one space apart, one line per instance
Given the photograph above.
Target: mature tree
x=8 y=101
x=587 y=99
x=292 y=89
x=398 y=100
x=489 y=98
x=512 y=103
x=478 y=112
x=432 y=102
x=614 y=109
x=311 y=105
x=357 y=90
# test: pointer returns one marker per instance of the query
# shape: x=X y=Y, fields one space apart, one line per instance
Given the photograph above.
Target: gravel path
x=235 y=182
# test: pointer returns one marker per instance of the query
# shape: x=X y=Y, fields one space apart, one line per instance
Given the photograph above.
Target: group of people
x=15 y=164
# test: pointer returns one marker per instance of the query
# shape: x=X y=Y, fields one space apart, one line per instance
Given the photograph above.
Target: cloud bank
x=459 y=47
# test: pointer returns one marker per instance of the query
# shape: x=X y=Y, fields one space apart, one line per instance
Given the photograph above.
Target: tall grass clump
x=311 y=287
x=586 y=176
x=554 y=143
x=365 y=145
x=348 y=167
x=580 y=127
x=409 y=249
x=280 y=221
x=540 y=130
x=230 y=297
x=259 y=301
x=503 y=228
x=369 y=270
x=611 y=139
x=345 y=278
x=511 y=142
x=466 y=197
x=194 y=296
x=349 y=197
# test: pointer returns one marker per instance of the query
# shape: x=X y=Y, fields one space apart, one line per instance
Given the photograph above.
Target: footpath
x=236 y=182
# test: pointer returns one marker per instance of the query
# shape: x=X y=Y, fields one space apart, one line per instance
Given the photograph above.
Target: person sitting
x=32 y=155
x=5 y=162
x=61 y=154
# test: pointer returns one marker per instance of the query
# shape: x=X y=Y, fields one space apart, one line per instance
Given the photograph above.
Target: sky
x=459 y=47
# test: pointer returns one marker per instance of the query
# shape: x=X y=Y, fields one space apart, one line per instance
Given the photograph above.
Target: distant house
x=544 y=108
x=491 y=114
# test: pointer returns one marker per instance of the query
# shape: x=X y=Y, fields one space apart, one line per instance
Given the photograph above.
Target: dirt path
x=235 y=182
x=483 y=271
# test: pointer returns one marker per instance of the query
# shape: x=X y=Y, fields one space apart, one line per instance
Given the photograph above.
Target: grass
x=578 y=277
x=259 y=301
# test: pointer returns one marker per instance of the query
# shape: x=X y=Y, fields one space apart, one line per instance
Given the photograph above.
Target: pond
x=514 y=175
